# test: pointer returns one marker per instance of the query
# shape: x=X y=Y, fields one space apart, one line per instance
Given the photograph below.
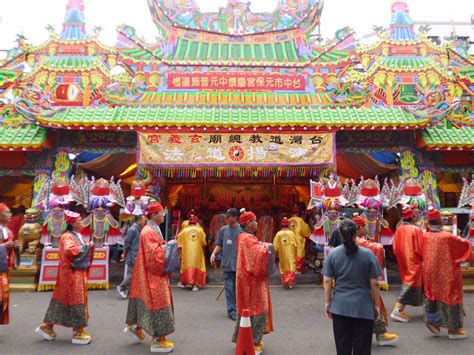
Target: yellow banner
x=175 y=150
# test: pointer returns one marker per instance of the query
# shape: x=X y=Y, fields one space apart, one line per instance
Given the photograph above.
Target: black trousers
x=353 y=336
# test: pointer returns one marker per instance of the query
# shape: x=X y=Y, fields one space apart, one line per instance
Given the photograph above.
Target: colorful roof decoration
x=401 y=26
x=236 y=18
x=449 y=138
x=105 y=118
x=74 y=27
x=26 y=137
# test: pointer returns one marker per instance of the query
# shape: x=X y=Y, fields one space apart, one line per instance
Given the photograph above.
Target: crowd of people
x=352 y=270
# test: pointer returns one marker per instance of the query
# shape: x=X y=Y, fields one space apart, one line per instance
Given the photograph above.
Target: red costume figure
x=150 y=306
x=442 y=252
x=406 y=247
x=252 y=291
x=7 y=262
x=68 y=306
x=380 y=326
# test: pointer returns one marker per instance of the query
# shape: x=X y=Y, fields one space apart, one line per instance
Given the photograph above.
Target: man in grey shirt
x=227 y=242
x=132 y=241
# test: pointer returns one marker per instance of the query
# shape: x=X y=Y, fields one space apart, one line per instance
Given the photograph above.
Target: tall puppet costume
x=372 y=200
x=467 y=199
x=100 y=225
x=7 y=262
x=150 y=305
x=59 y=198
x=414 y=196
x=285 y=247
x=332 y=201
x=442 y=252
x=252 y=291
x=406 y=247
x=191 y=242
x=380 y=326
x=69 y=305
x=302 y=232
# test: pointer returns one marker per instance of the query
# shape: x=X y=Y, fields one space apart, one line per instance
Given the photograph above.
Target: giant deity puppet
x=373 y=201
x=467 y=199
x=54 y=201
x=330 y=197
x=99 y=196
x=414 y=197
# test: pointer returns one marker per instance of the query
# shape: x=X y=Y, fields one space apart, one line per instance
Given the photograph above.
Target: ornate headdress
x=413 y=194
x=370 y=197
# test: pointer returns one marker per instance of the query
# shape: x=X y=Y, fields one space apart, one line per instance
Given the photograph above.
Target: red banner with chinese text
x=227 y=81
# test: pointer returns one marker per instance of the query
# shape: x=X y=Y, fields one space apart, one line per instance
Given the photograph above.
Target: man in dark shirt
x=132 y=241
x=227 y=242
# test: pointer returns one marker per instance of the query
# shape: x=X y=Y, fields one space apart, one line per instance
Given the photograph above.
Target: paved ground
x=203 y=328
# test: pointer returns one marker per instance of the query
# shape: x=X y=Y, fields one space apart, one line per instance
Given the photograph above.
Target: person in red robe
x=252 y=291
x=150 y=305
x=380 y=325
x=442 y=252
x=69 y=305
x=406 y=247
x=7 y=262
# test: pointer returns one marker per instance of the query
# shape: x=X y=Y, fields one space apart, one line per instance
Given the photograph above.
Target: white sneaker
x=195 y=288
x=121 y=292
x=180 y=285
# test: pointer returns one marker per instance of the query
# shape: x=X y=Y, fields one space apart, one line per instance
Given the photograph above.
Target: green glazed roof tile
x=239 y=117
x=449 y=138
x=25 y=137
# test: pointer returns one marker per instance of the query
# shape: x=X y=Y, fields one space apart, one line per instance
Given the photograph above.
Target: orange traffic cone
x=245 y=338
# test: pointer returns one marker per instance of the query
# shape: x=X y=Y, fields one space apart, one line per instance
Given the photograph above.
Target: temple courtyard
x=202 y=326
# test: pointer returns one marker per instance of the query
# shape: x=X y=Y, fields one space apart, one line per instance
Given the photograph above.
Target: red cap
x=60 y=190
x=71 y=217
x=359 y=220
x=193 y=219
x=407 y=213
x=154 y=208
x=3 y=207
x=284 y=222
x=247 y=217
x=433 y=214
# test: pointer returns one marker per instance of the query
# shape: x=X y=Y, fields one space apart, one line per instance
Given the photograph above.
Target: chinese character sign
x=227 y=81
x=221 y=149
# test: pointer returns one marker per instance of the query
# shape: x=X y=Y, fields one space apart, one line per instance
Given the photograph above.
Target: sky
x=30 y=17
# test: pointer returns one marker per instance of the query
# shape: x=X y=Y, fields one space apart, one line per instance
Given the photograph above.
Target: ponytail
x=348 y=230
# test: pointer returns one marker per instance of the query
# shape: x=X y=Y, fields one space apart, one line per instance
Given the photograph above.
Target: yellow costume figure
x=302 y=232
x=285 y=247
x=191 y=243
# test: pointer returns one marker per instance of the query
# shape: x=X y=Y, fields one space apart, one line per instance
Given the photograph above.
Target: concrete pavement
x=203 y=328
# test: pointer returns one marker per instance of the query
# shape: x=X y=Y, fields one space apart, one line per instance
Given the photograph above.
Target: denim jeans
x=229 y=286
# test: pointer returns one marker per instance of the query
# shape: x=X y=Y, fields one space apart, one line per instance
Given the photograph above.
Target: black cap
x=232 y=212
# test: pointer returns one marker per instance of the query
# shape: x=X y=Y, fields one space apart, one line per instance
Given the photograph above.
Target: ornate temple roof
x=26 y=137
x=131 y=118
x=236 y=18
x=448 y=138
x=74 y=26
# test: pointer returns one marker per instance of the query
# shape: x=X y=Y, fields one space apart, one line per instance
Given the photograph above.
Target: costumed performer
x=69 y=304
x=406 y=247
x=150 y=305
x=7 y=262
x=380 y=325
x=285 y=248
x=252 y=291
x=302 y=232
x=191 y=244
x=442 y=252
